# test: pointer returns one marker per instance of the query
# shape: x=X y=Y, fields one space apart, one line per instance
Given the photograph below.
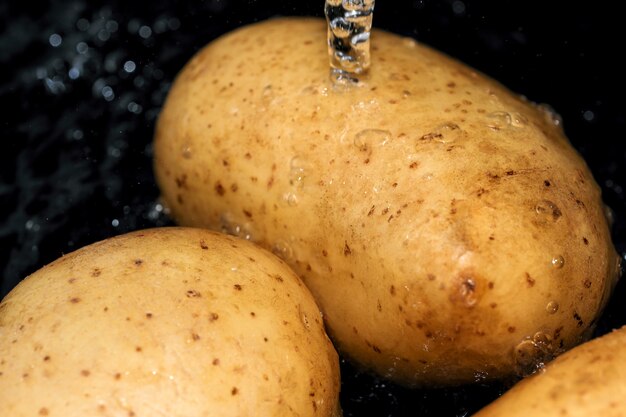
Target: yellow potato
x=446 y=227
x=165 y=322
x=589 y=380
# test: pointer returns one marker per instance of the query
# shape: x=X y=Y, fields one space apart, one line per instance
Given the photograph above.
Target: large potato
x=446 y=227
x=169 y=322
x=589 y=380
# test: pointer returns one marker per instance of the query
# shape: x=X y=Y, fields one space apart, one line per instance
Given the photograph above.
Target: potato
x=165 y=322
x=446 y=227
x=589 y=380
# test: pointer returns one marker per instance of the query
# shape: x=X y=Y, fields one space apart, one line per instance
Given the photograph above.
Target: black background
x=76 y=128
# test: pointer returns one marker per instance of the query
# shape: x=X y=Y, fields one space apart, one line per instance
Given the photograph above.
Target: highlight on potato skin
x=165 y=322
x=447 y=228
x=588 y=380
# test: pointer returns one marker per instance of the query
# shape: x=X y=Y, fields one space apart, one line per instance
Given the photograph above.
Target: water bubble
x=298 y=170
x=77 y=134
x=458 y=7
x=55 y=40
x=115 y=222
x=552 y=307
x=82 y=48
x=145 y=32
x=130 y=66
x=283 y=250
x=111 y=26
x=532 y=354
x=231 y=227
x=558 y=262
x=548 y=210
x=104 y=35
x=610 y=215
x=82 y=24
x=366 y=139
x=518 y=120
x=499 y=120
x=341 y=27
x=409 y=42
x=291 y=199
x=108 y=93
x=550 y=114
x=444 y=133
x=73 y=73
x=136 y=109
x=41 y=73
x=173 y=23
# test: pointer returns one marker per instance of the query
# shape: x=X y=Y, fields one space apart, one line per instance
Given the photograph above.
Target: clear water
x=349 y=26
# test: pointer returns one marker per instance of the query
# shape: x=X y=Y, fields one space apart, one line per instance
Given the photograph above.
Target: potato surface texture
x=446 y=227
x=589 y=380
x=165 y=322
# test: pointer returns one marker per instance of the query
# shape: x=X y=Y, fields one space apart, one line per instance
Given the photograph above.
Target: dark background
x=77 y=118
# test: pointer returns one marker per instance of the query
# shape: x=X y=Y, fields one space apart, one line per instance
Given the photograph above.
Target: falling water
x=349 y=26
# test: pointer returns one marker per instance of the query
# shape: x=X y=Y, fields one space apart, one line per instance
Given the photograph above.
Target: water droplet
x=550 y=114
x=231 y=227
x=305 y=320
x=610 y=215
x=366 y=139
x=558 y=262
x=298 y=168
x=115 y=222
x=82 y=24
x=552 y=307
x=73 y=73
x=291 y=199
x=499 y=120
x=283 y=250
x=186 y=152
x=532 y=354
x=518 y=120
x=409 y=42
x=444 y=133
x=548 y=210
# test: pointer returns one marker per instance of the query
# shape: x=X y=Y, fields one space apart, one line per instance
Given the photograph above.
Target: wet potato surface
x=81 y=115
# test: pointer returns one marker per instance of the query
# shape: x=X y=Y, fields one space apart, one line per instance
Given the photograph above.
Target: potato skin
x=446 y=227
x=589 y=380
x=165 y=322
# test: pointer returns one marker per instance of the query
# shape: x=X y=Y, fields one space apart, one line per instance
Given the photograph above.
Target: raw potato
x=589 y=380
x=446 y=227
x=165 y=322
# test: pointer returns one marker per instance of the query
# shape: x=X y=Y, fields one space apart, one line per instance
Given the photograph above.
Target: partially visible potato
x=589 y=380
x=447 y=228
x=165 y=322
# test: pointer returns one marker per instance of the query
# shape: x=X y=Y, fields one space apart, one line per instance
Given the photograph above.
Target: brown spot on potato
x=193 y=294
x=324 y=253
x=587 y=283
x=585 y=241
x=203 y=245
x=148 y=315
x=96 y=272
x=547 y=183
x=392 y=290
x=237 y=287
x=530 y=281
x=138 y=349
x=369 y=213
x=43 y=411
x=346 y=249
x=75 y=300
x=213 y=316
x=219 y=189
x=247 y=213
x=511 y=329
x=46 y=358
x=195 y=336
x=117 y=376
x=234 y=391
x=138 y=262
x=85 y=373
x=71 y=280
